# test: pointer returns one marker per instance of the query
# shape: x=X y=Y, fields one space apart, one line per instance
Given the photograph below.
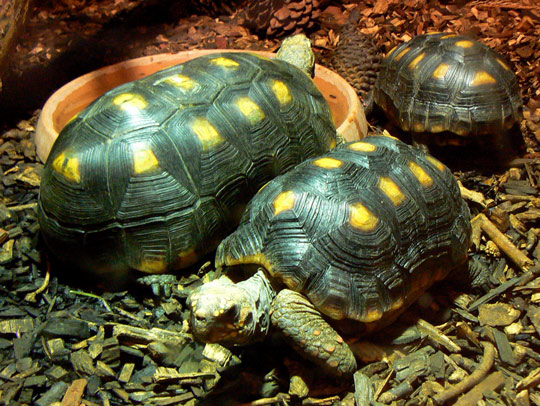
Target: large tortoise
x=156 y=172
x=349 y=239
x=448 y=89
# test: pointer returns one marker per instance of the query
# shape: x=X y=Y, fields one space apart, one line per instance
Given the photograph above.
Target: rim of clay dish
x=76 y=95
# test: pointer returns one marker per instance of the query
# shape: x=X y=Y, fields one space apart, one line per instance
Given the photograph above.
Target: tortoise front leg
x=305 y=329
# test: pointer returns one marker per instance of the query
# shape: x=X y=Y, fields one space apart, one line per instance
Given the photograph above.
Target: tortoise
x=153 y=174
x=343 y=242
x=449 y=89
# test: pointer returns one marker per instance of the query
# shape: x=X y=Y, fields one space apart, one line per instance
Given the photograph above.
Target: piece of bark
x=530 y=381
x=433 y=333
x=74 y=393
x=475 y=395
x=472 y=380
x=363 y=389
x=497 y=314
x=503 y=347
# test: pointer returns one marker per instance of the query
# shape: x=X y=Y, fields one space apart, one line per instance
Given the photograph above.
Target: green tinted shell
x=449 y=86
x=361 y=231
x=156 y=172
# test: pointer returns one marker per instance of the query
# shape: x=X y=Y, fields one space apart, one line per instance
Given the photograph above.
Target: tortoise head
x=297 y=51
x=222 y=312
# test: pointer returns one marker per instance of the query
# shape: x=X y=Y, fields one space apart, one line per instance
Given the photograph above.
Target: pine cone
x=358 y=59
x=281 y=17
x=12 y=17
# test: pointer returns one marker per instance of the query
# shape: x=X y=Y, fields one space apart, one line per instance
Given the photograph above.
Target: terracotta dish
x=76 y=95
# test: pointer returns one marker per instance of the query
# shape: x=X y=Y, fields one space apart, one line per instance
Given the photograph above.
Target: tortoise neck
x=262 y=293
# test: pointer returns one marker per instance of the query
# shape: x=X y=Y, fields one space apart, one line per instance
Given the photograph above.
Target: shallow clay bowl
x=71 y=98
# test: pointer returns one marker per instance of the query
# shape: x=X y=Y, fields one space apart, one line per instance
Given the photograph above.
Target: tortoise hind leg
x=305 y=329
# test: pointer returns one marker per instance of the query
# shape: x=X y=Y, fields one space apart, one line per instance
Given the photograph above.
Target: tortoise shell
x=156 y=172
x=361 y=231
x=449 y=85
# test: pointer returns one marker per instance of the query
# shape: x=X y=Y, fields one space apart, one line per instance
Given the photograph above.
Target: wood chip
x=433 y=333
x=74 y=393
x=530 y=381
x=475 y=395
x=503 y=347
x=126 y=373
x=497 y=314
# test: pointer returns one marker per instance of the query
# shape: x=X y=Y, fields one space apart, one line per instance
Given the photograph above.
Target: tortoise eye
x=199 y=317
x=232 y=313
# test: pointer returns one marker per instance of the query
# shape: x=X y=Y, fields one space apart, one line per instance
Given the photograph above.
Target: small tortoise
x=156 y=172
x=449 y=89
x=349 y=239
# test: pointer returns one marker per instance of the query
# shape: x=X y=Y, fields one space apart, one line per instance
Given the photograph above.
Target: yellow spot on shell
x=416 y=61
x=130 y=101
x=328 y=163
x=250 y=109
x=448 y=36
x=437 y=128
x=187 y=257
x=420 y=174
x=284 y=201
x=69 y=166
x=483 y=78
x=144 y=159
x=402 y=54
x=361 y=217
x=182 y=81
x=441 y=70
x=392 y=190
x=362 y=146
x=372 y=315
x=391 y=51
x=259 y=259
x=503 y=64
x=397 y=304
x=462 y=132
x=282 y=92
x=419 y=127
x=206 y=132
x=225 y=62
x=438 y=164
x=465 y=44
x=152 y=266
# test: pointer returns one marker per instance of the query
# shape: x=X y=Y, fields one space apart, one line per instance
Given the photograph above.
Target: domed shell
x=442 y=82
x=156 y=172
x=361 y=231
